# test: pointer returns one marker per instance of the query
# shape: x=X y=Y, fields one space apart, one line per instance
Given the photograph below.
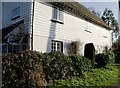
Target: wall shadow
x=52 y=32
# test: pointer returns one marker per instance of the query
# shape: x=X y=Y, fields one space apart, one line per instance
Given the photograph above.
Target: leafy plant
x=81 y=63
x=104 y=58
x=117 y=57
x=74 y=47
x=23 y=70
x=58 y=65
x=99 y=77
x=30 y=69
x=111 y=57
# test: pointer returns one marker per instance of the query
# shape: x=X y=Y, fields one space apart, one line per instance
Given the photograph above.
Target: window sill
x=15 y=17
x=57 y=21
x=105 y=36
x=87 y=30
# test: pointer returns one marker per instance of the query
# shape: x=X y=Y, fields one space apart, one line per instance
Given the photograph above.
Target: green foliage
x=117 y=57
x=108 y=17
x=110 y=56
x=104 y=58
x=81 y=63
x=74 y=47
x=30 y=69
x=100 y=77
x=22 y=70
x=59 y=66
x=116 y=45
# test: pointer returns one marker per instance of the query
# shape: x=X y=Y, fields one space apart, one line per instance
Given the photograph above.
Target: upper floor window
x=88 y=27
x=105 y=34
x=15 y=13
x=57 y=15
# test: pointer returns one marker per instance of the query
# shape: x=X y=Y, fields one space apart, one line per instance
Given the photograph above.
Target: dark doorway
x=89 y=51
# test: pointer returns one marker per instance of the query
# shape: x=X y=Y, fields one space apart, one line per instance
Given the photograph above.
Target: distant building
x=52 y=26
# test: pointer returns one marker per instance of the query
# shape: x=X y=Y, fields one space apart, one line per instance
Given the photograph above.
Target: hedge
x=104 y=59
x=61 y=66
x=31 y=69
x=23 y=70
x=57 y=66
x=117 y=57
x=81 y=63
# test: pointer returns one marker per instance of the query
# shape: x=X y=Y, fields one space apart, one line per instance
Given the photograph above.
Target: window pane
x=55 y=13
x=16 y=12
x=57 y=46
x=60 y=15
x=53 y=46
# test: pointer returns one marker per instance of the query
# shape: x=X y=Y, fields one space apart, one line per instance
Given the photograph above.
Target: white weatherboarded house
x=52 y=26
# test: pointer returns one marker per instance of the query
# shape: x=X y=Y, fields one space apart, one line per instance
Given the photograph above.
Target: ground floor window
x=57 y=46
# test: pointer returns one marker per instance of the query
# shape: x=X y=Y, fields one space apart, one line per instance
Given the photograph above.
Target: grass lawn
x=96 y=77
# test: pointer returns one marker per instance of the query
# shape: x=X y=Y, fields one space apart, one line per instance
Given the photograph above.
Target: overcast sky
x=100 y=5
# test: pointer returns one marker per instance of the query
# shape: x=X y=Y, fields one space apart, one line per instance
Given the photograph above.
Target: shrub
x=74 y=47
x=101 y=60
x=104 y=58
x=30 y=69
x=110 y=56
x=98 y=78
x=57 y=66
x=22 y=70
x=117 y=57
x=81 y=63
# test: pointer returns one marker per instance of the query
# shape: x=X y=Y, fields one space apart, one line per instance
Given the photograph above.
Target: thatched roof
x=81 y=11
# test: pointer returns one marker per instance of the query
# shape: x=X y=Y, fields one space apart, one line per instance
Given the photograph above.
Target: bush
x=74 y=47
x=101 y=60
x=110 y=56
x=81 y=63
x=104 y=58
x=98 y=78
x=22 y=70
x=58 y=66
x=117 y=57
x=30 y=69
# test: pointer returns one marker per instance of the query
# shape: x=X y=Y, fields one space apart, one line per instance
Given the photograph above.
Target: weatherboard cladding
x=82 y=11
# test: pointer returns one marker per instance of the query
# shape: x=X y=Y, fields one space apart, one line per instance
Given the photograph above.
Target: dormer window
x=15 y=13
x=57 y=15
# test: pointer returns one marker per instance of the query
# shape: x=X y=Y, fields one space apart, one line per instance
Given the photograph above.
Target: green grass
x=96 y=77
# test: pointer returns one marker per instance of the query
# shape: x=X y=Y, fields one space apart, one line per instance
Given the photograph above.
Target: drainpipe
x=32 y=25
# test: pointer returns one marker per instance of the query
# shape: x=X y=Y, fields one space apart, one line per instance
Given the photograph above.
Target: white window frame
x=88 y=27
x=105 y=34
x=58 y=15
x=57 y=46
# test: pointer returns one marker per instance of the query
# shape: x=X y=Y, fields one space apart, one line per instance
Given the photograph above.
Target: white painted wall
x=44 y=30
x=73 y=29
